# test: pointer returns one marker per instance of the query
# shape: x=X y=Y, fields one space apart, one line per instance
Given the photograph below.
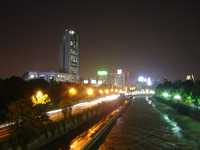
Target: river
x=143 y=127
x=140 y=127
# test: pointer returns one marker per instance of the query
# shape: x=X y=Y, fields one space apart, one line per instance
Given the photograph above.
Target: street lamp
x=165 y=94
x=177 y=97
x=111 y=90
x=101 y=91
x=72 y=91
x=106 y=91
x=90 y=92
x=116 y=90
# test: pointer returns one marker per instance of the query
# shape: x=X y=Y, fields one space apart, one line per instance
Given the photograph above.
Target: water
x=142 y=127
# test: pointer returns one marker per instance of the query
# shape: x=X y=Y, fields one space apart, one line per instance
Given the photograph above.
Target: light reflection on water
x=174 y=127
x=141 y=127
x=172 y=124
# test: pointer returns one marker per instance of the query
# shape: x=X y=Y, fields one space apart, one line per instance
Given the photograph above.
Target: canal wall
x=189 y=127
x=94 y=142
x=56 y=130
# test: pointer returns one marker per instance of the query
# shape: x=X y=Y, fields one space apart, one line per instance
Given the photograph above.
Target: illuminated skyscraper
x=70 y=54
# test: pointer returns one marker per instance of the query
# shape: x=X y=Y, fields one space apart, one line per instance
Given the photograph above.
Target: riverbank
x=139 y=128
x=190 y=127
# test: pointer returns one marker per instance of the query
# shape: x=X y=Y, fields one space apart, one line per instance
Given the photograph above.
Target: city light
x=85 y=81
x=149 y=82
x=102 y=73
x=106 y=91
x=40 y=98
x=71 y=32
x=116 y=90
x=126 y=89
x=119 y=71
x=99 y=82
x=38 y=94
x=165 y=95
x=177 y=97
x=141 y=79
x=100 y=91
x=72 y=91
x=146 y=80
x=93 y=81
x=32 y=76
x=111 y=90
x=90 y=92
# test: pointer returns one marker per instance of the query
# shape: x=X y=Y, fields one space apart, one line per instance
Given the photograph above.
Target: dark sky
x=158 y=38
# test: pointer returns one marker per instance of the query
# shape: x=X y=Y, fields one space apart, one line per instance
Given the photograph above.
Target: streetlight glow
x=165 y=94
x=100 y=91
x=106 y=91
x=40 y=98
x=72 y=91
x=90 y=92
x=116 y=90
x=177 y=97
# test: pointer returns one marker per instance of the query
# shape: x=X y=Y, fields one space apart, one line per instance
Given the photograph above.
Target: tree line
x=186 y=92
x=14 y=90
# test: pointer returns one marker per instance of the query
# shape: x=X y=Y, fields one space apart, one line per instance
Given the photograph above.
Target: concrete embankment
x=91 y=138
x=102 y=133
x=56 y=130
x=190 y=128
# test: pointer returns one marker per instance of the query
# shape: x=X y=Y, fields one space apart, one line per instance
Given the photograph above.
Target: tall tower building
x=70 y=53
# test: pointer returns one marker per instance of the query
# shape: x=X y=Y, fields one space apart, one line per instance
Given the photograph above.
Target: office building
x=70 y=53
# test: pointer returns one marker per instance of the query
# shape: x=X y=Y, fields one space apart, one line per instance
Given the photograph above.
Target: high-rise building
x=119 y=78
x=70 y=54
x=190 y=77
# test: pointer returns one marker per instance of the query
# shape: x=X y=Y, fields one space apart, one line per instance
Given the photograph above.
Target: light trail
x=54 y=111
x=79 y=142
x=57 y=114
x=6 y=124
x=77 y=108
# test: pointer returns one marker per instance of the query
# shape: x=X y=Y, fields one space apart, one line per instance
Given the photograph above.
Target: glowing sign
x=99 y=82
x=102 y=73
x=149 y=82
x=119 y=71
x=85 y=81
x=141 y=79
x=93 y=81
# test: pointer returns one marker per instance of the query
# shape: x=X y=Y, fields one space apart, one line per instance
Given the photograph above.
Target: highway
x=5 y=132
x=57 y=114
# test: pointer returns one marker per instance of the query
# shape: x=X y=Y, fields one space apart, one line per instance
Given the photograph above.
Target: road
x=57 y=115
x=4 y=132
x=142 y=127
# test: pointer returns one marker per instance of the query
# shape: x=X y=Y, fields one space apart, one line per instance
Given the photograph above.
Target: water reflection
x=174 y=127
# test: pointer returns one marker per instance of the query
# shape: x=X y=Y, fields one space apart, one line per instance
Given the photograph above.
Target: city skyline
x=153 y=38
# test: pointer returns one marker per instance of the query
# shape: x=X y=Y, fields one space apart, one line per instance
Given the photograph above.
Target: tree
x=28 y=121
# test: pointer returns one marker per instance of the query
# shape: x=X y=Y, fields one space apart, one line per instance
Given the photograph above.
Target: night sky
x=157 y=38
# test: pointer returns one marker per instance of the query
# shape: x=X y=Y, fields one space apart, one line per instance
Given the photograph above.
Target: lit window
x=71 y=32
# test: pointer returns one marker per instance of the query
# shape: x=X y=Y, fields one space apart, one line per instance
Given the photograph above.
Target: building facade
x=49 y=76
x=69 y=61
x=70 y=53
